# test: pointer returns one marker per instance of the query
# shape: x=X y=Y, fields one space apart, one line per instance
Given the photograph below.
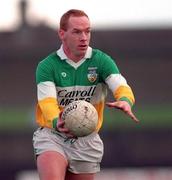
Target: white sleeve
x=114 y=81
x=46 y=89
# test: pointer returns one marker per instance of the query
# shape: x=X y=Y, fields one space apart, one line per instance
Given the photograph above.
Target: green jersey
x=64 y=80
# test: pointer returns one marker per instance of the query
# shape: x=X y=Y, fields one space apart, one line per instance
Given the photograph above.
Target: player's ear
x=61 y=34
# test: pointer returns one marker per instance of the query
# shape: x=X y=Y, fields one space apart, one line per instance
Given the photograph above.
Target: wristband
x=127 y=100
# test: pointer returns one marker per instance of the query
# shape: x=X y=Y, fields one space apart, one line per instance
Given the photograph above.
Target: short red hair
x=65 y=17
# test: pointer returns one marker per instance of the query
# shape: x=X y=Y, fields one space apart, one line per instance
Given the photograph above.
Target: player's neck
x=73 y=57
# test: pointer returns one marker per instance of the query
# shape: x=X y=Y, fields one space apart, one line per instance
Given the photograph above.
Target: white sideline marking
x=116 y=174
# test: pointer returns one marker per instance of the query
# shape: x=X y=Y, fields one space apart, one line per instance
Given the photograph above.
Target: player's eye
x=88 y=31
x=77 y=32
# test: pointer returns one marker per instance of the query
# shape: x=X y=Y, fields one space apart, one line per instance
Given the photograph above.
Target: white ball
x=80 y=118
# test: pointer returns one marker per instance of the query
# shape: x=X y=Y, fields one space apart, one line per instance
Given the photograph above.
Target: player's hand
x=62 y=129
x=125 y=107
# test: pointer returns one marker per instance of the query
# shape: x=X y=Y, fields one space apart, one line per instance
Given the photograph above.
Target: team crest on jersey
x=92 y=75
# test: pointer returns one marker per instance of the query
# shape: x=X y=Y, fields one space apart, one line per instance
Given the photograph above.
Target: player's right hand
x=61 y=128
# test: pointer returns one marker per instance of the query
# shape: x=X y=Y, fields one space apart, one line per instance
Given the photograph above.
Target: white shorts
x=83 y=154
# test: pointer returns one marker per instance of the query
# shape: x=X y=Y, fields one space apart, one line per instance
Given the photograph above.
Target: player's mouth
x=83 y=47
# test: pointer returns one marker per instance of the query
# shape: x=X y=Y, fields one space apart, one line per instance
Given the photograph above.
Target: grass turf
x=150 y=117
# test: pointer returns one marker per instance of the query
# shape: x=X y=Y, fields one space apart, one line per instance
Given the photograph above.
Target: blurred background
x=138 y=35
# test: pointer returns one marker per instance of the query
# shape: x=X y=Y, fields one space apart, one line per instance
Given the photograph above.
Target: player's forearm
x=124 y=93
x=120 y=89
x=47 y=112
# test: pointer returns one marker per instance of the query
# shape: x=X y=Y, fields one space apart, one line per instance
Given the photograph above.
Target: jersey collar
x=60 y=52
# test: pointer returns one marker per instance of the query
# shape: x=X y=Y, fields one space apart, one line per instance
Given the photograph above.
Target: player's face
x=76 y=38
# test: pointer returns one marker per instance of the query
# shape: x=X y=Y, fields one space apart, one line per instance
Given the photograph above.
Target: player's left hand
x=125 y=107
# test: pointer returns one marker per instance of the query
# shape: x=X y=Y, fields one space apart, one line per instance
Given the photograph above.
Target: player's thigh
x=72 y=176
x=51 y=165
